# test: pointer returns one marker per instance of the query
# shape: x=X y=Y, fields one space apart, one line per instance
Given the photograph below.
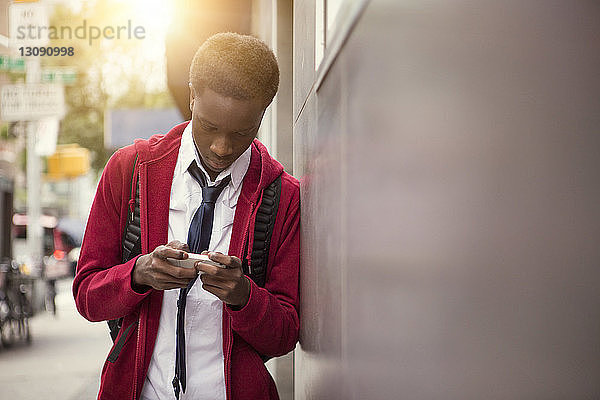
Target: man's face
x=223 y=127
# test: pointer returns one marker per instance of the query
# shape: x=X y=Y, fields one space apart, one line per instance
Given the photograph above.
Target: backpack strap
x=263 y=230
x=132 y=239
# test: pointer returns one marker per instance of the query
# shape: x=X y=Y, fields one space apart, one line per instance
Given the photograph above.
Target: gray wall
x=450 y=163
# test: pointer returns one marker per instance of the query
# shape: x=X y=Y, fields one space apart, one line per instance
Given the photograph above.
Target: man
x=228 y=321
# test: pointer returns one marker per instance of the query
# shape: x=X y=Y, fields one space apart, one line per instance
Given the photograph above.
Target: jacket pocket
x=250 y=378
x=123 y=338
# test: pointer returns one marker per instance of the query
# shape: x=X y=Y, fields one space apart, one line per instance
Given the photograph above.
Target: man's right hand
x=154 y=271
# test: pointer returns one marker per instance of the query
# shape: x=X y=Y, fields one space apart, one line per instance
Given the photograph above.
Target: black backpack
x=263 y=229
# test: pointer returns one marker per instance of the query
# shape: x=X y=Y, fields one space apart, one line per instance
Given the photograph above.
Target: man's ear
x=191 y=96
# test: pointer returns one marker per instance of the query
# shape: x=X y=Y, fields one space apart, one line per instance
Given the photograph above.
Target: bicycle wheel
x=23 y=329
x=7 y=332
x=27 y=331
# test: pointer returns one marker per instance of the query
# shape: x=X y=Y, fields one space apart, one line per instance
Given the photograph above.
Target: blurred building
x=7 y=156
x=122 y=127
x=6 y=209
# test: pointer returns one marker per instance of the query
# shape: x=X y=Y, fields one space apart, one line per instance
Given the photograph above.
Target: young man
x=211 y=347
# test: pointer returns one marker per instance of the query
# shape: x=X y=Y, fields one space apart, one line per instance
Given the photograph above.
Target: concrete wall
x=450 y=158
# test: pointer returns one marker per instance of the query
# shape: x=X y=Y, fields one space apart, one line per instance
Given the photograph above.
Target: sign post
x=22 y=102
x=64 y=75
x=24 y=22
x=12 y=64
x=31 y=101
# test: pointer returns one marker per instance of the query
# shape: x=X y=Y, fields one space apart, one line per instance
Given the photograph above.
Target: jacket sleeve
x=102 y=284
x=269 y=321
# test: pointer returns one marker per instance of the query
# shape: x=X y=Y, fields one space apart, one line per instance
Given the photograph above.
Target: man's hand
x=228 y=284
x=153 y=270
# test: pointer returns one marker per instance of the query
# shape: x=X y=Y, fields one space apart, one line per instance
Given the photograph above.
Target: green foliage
x=110 y=74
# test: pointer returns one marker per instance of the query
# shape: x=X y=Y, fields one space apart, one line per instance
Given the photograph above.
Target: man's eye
x=207 y=128
x=245 y=133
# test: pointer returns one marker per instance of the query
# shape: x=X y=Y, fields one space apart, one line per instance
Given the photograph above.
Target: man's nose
x=221 y=146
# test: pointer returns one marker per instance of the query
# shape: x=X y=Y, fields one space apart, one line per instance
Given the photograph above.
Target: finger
x=223 y=272
x=205 y=252
x=171 y=285
x=230 y=261
x=176 y=244
x=162 y=281
x=227 y=279
x=165 y=251
x=175 y=271
x=217 y=291
x=207 y=268
x=217 y=281
x=208 y=280
x=236 y=262
x=182 y=273
x=166 y=285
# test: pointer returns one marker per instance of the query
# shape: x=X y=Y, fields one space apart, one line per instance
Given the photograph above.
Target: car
x=61 y=242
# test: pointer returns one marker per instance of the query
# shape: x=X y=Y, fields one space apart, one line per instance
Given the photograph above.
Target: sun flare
x=155 y=15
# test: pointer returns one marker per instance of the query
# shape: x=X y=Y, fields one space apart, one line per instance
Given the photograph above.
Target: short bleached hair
x=234 y=65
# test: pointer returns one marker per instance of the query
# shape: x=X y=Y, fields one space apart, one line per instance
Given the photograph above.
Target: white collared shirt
x=203 y=316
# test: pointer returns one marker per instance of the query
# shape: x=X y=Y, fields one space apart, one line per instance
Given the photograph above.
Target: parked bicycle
x=15 y=304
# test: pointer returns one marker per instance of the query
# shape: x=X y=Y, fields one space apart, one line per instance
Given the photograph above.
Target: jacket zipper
x=131 y=209
x=246 y=241
x=137 y=346
x=137 y=352
x=228 y=359
x=133 y=188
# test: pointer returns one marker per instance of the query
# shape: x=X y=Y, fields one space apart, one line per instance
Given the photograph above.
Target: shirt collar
x=188 y=153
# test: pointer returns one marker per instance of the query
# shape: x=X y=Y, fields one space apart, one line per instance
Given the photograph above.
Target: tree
x=111 y=74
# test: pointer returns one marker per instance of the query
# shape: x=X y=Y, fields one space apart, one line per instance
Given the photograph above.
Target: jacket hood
x=263 y=168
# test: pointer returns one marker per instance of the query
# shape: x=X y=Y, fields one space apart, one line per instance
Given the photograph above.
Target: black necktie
x=198 y=241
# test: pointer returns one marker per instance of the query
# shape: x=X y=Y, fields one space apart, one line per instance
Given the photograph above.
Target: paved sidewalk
x=64 y=359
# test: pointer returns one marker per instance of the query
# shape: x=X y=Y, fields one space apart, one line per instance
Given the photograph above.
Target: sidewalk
x=64 y=359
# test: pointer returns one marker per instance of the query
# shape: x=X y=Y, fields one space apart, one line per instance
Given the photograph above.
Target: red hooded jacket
x=268 y=324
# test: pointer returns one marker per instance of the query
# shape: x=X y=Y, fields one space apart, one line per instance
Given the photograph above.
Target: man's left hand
x=228 y=284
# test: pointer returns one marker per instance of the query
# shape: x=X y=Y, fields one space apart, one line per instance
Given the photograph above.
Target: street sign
x=31 y=101
x=46 y=136
x=12 y=64
x=28 y=24
x=64 y=75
